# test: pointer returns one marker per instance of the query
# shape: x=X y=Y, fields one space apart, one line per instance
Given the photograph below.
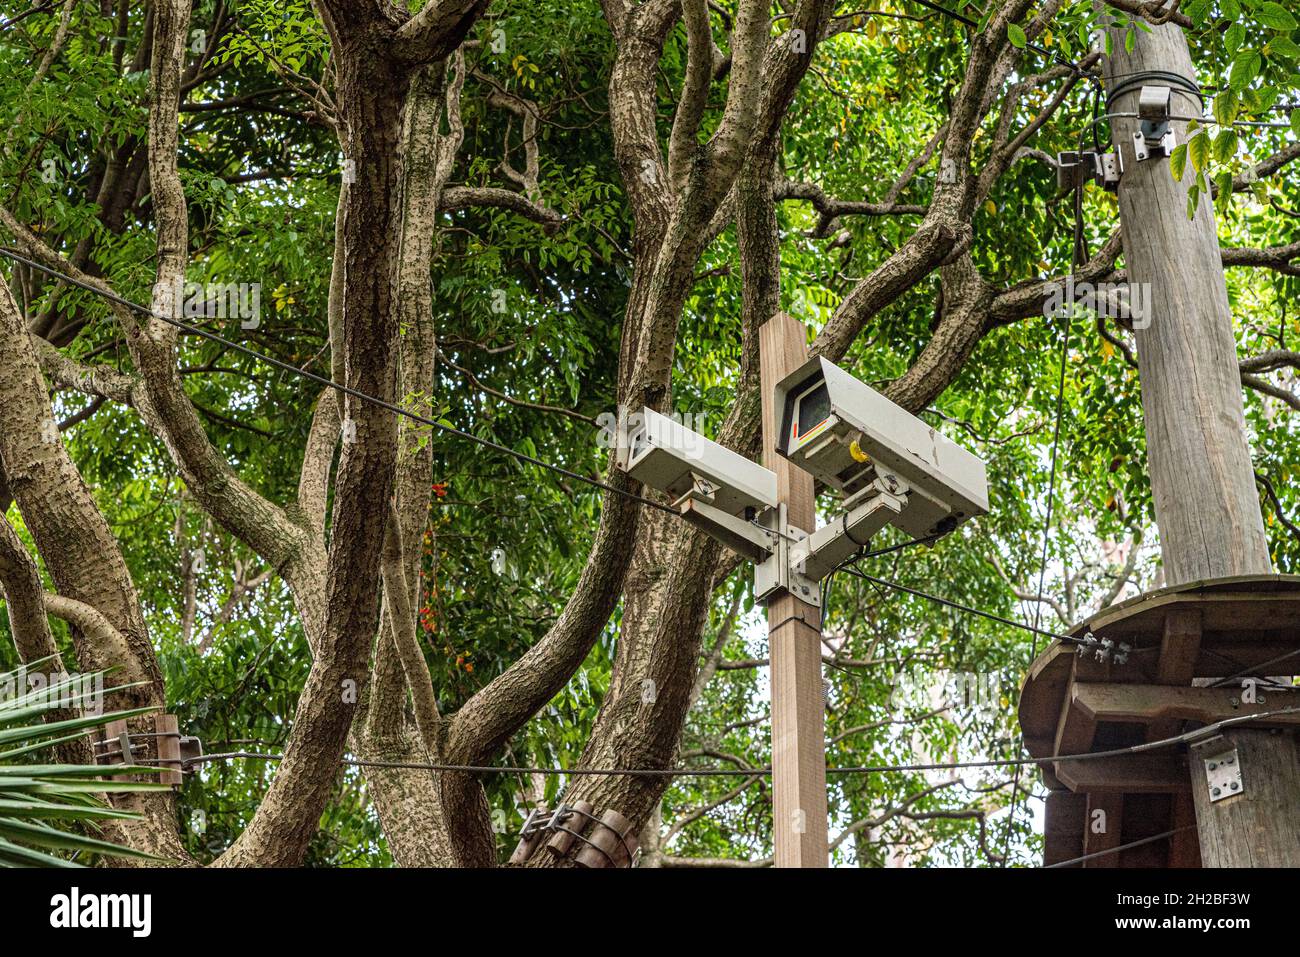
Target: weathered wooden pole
x=1203 y=483
x=794 y=638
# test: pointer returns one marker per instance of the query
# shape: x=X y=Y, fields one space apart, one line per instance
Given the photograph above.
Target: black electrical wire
x=1254 y=670
x=1184 y=738
x=963 y=608
x=862 y=556
x=1139 y=78
x=1054 y=57
x=1080 y=256
x=330 y=383
x=1123 y=847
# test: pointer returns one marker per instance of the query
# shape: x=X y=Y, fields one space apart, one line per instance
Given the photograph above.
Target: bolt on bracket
x=1223 y=772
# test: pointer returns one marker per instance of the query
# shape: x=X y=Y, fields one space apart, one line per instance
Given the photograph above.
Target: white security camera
x=853 y=439
x=667 y=456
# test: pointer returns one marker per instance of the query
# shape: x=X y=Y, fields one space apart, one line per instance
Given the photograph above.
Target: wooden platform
x=1182 y=639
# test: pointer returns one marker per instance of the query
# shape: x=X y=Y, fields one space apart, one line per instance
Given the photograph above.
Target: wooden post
x=168 y=749
x=794 y=639
x=1259 y=827
x=1202 y=479
x=1103 y=827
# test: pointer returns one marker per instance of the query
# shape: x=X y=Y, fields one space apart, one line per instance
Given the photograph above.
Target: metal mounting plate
x=780 y=572
x=1223 y=775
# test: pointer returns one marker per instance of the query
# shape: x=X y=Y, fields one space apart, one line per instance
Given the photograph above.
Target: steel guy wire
x=958 y=606
x=1123 y=847
x=1080 y=256
x=424 y=420
x=1187 y=737
x=330 y=383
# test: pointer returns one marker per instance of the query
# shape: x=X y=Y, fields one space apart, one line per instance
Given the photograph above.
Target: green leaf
x=1017 y=36
x=14 y=855
x=1245 y=67
x=1233 y=38
x=1223 y=201
x=1225 y=145
x=1276 y=16
x=1283 y=47
x=1198 y=151
x=33 y=794
x=54 y=839
x=1178 y=161
x=10 y=807
x=1226 y=106
x=1197 y=10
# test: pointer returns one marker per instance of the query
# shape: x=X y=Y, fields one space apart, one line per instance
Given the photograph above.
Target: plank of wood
x=1063 y=821
x=1179 y=646
x=1145 y=614
x=1075 y=729
x=1160 y=703
x=1271 y=583
x=1185 y=845
x=1126 y=773
x=794 y=639
x=1103 y=827
x=1039 y=707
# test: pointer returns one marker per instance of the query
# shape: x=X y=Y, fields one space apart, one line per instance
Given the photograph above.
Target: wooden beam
x=1180 y=644
x=1126 y=773
x=1185 y=844
x=1157 y=704
x=1075 y=729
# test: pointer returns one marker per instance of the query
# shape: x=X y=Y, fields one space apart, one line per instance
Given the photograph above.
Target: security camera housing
x=667 y=456
x=848 y=435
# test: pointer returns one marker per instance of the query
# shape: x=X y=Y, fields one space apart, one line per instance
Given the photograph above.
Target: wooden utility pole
x=794 y=638
x=1202 y=478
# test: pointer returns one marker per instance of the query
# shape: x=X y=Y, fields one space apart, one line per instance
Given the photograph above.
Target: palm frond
x=40 y=802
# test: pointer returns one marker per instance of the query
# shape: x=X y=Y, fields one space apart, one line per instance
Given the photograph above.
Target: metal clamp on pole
x=579 y=834
x=1076 y=167
x=783 y=569
x=165 y=748
x=1154 y=134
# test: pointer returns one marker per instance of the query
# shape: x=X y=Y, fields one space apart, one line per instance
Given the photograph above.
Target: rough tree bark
x=675 y=570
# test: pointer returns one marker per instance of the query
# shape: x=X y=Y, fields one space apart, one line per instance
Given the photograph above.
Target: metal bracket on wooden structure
x=1154 y=134
x=1222 y=769
x=1191 y=648
x=1076 y=167
x=1104 y=650
x=783 y=569
x=171 y=751
x=578 y=834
